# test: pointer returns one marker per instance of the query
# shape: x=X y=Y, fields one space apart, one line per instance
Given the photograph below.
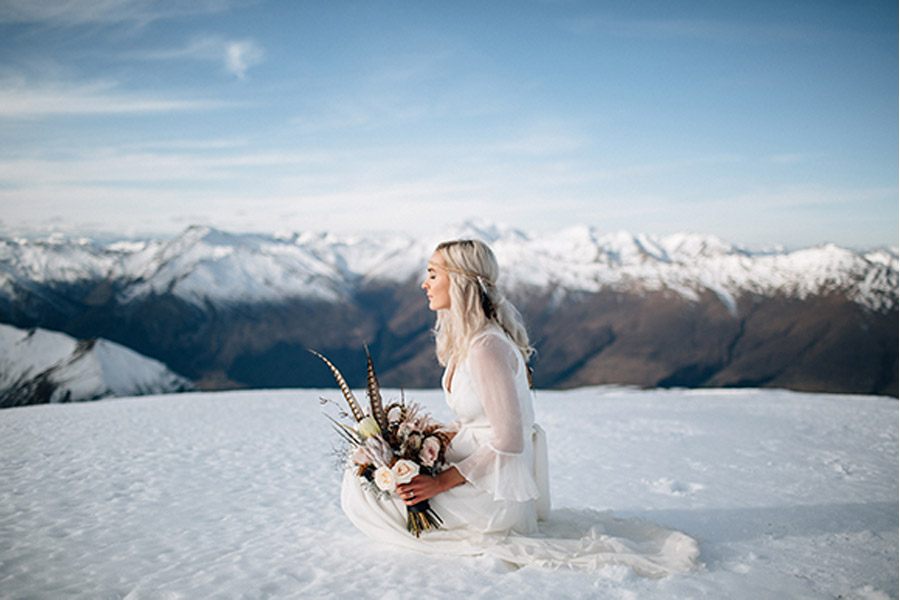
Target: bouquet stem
x=421 y=517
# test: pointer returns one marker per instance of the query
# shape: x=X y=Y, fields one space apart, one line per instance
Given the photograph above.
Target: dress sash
x=541 y=471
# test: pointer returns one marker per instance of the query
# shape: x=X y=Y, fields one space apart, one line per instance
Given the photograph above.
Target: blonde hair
x=475 y=301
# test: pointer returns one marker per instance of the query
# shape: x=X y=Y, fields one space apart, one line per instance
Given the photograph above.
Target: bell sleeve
x=500 y=466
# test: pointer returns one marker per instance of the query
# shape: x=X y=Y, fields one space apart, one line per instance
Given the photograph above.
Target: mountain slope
x=207 y=265
x=39 y=366
x=231 y=310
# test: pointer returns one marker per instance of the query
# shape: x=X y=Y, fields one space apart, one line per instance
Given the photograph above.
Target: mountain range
x=229 y=310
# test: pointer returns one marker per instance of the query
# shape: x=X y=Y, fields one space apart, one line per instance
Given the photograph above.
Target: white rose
x=404 y=470
x=368 y=427
x=431 y=447
x=384 y=479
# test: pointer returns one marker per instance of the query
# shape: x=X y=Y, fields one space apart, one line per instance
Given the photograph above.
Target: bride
x=496 y=488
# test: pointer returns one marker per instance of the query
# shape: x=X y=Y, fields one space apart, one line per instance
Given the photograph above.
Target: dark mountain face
x=241 y=310
x=824 y=343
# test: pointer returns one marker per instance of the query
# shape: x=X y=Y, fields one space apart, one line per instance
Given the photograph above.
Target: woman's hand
x=425 y=487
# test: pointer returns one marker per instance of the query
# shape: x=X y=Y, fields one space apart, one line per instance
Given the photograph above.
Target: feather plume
x=345 y=389
x=373 y=390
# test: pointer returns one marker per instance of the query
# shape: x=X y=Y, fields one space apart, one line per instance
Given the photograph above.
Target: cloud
x=20 y=98
x=236 y=56
x=543 y=138
x=88 y=12
x=116 y=165
x=240 y=56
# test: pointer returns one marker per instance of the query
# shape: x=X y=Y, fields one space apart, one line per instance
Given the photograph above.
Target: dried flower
x=368 y=427
x=412 y=445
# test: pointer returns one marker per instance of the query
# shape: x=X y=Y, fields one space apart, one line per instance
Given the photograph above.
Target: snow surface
x=235 y=494
x=207 y=265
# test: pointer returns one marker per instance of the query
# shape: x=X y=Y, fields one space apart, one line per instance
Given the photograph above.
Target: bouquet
x=390 y=446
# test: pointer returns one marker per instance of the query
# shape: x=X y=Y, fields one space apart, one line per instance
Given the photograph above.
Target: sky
x=764 y=123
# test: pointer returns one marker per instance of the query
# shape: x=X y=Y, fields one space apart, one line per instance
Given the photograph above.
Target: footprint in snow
x=672 y=487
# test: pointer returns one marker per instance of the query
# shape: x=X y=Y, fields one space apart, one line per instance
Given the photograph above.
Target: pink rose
x=431 y=448
x=361 y=457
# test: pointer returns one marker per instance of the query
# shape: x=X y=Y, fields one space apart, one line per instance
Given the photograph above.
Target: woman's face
x=437 y=284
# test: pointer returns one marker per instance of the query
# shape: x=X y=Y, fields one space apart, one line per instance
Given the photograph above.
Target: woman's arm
x=423 y=487
x=498 y=466
x=501 y=465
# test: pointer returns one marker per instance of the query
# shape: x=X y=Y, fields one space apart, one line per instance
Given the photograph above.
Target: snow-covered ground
x=235 y=495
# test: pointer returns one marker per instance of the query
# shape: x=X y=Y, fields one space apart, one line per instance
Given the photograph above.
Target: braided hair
x=475 y=301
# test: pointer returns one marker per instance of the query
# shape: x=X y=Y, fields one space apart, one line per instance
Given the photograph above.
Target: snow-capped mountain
x=237 y=309
x=207 y=265
x=47 y=366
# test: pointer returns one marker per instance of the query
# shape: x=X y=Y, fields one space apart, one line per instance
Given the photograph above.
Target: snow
x=26 y=353
x=235 y=494
x=80 y=370
x=207 y=265
x=104 y=368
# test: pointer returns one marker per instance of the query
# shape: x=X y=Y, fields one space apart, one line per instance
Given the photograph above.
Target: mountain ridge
x=205 y=263
x=231 y=310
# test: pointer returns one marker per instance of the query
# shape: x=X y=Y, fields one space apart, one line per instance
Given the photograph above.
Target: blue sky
x=762 y=123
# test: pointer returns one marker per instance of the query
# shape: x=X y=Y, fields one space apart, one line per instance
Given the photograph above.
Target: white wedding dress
x=503 y=456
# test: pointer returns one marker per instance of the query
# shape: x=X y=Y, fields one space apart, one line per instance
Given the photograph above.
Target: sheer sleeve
x=500 y=466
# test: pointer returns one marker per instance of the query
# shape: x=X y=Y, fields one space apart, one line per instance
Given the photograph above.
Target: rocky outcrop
x=39 y=367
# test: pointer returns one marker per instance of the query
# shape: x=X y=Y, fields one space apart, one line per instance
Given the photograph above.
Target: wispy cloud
x=90 y=12
x=806 y=197
x=119 y=165
x=240 y=56
x=543 y=138
x=21 y=98
x=179 y=144
x=235 y=56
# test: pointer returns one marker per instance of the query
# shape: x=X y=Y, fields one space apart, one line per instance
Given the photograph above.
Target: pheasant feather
x=373 y=390
x=345 y=389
